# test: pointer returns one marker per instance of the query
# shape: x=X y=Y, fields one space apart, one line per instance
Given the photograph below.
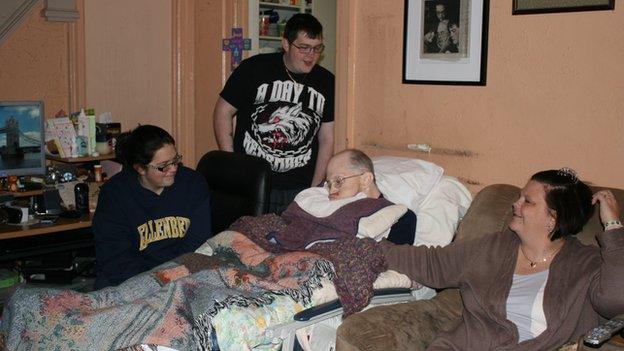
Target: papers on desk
x=66 y=190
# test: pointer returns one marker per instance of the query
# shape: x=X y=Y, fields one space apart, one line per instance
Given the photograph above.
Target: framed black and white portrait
x=445 y=42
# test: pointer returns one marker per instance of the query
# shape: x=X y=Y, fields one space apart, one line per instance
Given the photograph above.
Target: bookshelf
x=80 y=159
x=26 y=193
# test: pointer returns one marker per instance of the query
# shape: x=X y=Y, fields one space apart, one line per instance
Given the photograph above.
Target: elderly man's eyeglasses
x=339 y=181
x=306 y=49
x=164 y=167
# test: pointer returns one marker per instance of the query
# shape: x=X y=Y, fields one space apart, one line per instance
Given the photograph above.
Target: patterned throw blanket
x=357 y=262
x=172 y=305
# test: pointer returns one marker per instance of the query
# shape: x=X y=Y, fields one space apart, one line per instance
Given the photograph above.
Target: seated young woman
x=535 y=286
x=155 y=209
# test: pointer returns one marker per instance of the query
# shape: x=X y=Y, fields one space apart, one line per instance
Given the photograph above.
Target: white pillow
x=377 y=226
x=386 y=279
x=316 y=202
x=439 y=215
x=406 y=181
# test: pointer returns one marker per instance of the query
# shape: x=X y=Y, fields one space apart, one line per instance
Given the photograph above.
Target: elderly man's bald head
x=349 y=172
x=357 y=160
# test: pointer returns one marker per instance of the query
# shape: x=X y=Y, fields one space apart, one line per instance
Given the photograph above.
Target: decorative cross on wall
x=236 y=44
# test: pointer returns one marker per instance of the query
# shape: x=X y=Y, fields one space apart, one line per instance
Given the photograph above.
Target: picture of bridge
x=20 y=138
x=17 y=143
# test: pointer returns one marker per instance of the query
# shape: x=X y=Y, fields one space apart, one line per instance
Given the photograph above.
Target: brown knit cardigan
x=585 y=285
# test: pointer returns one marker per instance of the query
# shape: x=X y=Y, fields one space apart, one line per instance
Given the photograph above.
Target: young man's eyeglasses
x=164 y=167
x=306 y=49
x=339 y=181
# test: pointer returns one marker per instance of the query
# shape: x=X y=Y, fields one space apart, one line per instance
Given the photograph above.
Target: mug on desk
x=103 y=147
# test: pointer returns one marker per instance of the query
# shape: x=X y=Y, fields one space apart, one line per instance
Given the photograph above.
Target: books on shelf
x=92 y=141
x=73 y=138
x=62 y=131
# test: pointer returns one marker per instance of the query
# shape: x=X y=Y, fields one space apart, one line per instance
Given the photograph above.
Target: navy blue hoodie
x=136 y=229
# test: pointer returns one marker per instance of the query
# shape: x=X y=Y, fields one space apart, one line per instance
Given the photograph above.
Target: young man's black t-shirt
x=279 y=115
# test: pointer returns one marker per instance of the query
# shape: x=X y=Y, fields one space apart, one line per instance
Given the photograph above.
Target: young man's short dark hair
x=303 y=22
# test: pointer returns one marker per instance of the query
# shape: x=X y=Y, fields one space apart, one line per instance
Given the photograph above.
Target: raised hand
x=609 y=208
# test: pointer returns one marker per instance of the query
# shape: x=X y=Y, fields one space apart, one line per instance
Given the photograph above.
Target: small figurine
x=12 y=183
x=53 y=176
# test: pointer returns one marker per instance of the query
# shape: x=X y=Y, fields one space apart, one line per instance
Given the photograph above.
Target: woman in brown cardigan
x=533 y=287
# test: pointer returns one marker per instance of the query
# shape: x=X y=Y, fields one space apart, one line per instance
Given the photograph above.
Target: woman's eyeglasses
x=339 y=181
x=177 y=160
x=306 y=49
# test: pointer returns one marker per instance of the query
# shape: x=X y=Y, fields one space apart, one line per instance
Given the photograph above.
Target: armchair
x=413 y=325
x=239 y=186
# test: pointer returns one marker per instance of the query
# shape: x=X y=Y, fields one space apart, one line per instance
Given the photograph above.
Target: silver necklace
x=292 y=78
x=534 y=264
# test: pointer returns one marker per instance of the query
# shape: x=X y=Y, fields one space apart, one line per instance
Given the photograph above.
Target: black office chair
x=239 y=186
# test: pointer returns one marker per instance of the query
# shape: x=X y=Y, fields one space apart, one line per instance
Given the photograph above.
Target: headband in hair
x=568 y=173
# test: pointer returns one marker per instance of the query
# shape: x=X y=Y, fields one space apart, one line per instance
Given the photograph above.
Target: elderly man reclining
x=328 y=221
x=336 y=210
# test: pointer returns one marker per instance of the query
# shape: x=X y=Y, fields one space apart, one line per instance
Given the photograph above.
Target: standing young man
x=284 y=108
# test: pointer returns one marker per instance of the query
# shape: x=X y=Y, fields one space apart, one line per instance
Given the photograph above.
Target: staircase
x=13 y=12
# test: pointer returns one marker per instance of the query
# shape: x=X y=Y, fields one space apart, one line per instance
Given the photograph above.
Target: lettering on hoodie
x=171 y=227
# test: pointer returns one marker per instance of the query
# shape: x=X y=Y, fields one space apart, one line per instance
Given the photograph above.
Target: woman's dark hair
x=569 y=197
x=139 y=145
x=303 y=22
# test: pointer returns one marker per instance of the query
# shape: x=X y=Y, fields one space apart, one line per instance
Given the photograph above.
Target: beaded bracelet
x=613 y=224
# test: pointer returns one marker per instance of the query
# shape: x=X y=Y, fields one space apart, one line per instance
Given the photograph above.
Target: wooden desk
x=62 y=224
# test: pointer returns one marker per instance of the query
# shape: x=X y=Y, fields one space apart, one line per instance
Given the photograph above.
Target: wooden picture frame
x=445 y=43
x=526 y=7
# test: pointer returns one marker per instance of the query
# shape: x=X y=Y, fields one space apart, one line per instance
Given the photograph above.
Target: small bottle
x=74 y=148
x=97 y=173
x=81 y=193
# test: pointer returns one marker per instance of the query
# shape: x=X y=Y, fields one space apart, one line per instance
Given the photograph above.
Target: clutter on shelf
x=80 y=134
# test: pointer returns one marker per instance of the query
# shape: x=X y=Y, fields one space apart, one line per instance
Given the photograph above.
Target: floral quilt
x=172 y=305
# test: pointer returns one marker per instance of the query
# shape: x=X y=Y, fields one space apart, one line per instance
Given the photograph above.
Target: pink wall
x=34 y=63
x=213 y=22
x=129 y=60
x=121 y=56
x=554 y=96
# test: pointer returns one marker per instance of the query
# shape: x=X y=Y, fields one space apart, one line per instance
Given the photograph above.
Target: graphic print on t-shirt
x=284 y=124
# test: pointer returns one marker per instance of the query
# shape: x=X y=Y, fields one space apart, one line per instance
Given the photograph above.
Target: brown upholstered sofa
x=413 y=325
